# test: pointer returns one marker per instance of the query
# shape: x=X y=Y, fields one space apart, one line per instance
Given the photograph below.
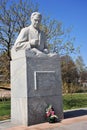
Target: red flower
x=52 y=113
x=48 y=113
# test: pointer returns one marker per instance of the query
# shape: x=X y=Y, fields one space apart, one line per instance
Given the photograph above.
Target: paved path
x=5 y=93
x=76 y=123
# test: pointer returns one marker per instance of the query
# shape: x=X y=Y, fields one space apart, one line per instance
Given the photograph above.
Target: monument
x=35 y=76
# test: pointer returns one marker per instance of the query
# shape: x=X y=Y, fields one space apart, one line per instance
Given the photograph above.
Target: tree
x=58 y=39
x=4 y=68
x=69 y=73
x=16 y=15
x=13 y=17
x=84 y=76
x=80 y=64
x=82 y=70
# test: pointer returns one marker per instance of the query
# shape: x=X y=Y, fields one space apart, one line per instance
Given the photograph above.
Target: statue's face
x=36 y=21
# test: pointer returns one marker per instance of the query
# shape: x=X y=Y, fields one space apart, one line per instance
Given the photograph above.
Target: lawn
x=70 y=101
x=73 y=101
x=4 y=110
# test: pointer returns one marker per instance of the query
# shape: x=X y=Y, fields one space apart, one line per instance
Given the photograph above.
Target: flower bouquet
x=50 y=114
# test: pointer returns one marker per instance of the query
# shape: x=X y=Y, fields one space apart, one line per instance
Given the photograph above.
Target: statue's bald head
x=36 y=14
x=36 y=19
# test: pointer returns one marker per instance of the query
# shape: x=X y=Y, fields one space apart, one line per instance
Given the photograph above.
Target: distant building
x=84 y=84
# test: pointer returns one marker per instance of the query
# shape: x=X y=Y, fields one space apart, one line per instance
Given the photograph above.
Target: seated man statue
x=32 y=38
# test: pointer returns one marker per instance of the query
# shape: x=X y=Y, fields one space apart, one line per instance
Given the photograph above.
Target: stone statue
x=32 y=38
x=35 y=76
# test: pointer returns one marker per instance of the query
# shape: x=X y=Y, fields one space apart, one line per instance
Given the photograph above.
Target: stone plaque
x=44 y=79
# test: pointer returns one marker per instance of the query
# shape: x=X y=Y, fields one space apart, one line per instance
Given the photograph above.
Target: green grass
x=4 y=110
x=73 y=101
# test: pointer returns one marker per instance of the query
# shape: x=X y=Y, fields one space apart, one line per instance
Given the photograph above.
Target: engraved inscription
x=45 y=79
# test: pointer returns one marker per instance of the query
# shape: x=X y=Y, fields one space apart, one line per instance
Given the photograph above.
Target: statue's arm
x=45 y=44
x=22 y=42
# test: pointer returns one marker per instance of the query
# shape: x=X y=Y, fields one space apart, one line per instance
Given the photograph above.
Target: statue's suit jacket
x=26 y=35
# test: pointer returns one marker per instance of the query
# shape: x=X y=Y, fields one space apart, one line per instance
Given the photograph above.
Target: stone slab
x=35 y=83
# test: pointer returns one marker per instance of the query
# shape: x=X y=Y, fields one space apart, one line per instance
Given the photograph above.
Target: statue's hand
x=34 y=42
x=46 y=51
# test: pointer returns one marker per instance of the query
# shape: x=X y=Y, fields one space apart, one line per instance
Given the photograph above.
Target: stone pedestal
x=35 y=83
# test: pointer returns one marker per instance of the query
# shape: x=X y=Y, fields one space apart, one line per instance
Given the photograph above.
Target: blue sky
x=70 y=13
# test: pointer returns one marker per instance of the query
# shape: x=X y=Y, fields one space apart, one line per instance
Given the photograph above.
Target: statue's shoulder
x=25 y=29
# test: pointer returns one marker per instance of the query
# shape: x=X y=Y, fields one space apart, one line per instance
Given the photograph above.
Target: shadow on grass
x=75 y=113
